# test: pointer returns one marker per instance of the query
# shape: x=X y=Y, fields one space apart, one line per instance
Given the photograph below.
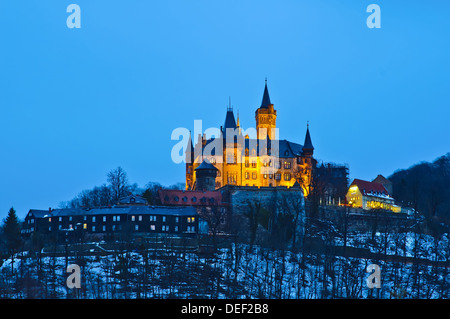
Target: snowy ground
x=236 y=272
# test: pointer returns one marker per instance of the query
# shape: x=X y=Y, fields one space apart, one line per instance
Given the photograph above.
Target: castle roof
x=205 y=165
x=285 y=148
x=308 y=144
x=230 y=121
x=266 y=99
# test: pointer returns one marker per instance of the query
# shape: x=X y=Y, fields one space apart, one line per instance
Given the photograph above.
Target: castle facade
x=262 y=160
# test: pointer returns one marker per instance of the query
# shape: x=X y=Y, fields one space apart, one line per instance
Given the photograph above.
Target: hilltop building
x=262 y=161
x=370 y=195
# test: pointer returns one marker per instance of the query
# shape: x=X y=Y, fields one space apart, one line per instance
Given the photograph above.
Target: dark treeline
x=425 y=187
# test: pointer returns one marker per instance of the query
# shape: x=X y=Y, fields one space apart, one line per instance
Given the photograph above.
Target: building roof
x=286 y=148
x=38 y=213
x=230 y=121
x=190 y=198
x=382 y=180
x=116 y=210
x=266 y=99
x=308 y=144
x=205 y=165
x=132 y=200
x=371 y=188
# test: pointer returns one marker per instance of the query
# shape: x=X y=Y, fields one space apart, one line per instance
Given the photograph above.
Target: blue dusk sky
x=76 y=103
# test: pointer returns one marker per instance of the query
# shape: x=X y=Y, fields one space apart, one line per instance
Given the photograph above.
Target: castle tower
x=266 y=116
x=189 y=159
x=205 y=177
x=308 y=162
x=308 y=148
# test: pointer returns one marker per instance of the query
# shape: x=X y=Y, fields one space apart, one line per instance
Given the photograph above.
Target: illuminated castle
x=263 y=161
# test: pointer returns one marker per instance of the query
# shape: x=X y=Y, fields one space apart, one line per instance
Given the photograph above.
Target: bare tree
x=119 y=183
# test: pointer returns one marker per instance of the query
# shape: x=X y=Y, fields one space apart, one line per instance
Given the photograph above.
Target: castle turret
x=266 y=116
x=189 y=159
x=205 y=177
x=308 y=148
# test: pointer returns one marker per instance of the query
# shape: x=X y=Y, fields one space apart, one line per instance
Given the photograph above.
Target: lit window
x=140 y=218
x=191 y=219
x=287 y=177
x=104 y=218
x=152 y=227
x=133 y=218
x=164 y=219
x=84 y=226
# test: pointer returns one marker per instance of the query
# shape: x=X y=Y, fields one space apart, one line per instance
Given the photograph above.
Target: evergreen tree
x=11 y=232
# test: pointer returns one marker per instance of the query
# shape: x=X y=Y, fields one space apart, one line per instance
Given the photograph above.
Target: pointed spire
x=266 y=99
x=190 y=151
x=230 y=121
x=307 y=146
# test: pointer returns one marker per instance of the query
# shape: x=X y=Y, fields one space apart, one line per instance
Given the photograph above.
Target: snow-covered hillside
x=237 y=272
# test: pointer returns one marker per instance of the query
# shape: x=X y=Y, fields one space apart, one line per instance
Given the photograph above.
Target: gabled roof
x=38 y=213
x=133 y=199
x=370 y=188
x=382 y=180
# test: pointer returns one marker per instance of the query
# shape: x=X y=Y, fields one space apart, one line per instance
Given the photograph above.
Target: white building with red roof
x=370 y=195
